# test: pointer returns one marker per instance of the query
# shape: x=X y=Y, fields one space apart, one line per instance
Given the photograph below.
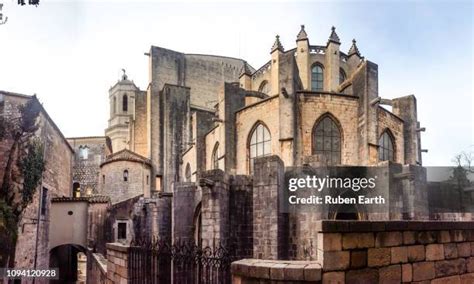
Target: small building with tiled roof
x=124 y=175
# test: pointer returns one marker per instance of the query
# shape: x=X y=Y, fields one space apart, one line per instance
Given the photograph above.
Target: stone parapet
x=267 y=271
x=117 y=263
x=376 y=252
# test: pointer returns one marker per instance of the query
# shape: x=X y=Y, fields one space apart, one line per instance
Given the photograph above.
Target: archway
x=71 y=260
x=197 y=224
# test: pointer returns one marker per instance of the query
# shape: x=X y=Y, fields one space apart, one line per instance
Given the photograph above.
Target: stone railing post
x=117 y=263
x=270 y=233
x=214 y=208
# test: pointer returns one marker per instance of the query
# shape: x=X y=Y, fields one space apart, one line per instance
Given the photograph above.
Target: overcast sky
x=71 y=52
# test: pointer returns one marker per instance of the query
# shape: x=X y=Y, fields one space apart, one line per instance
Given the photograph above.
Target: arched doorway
x=71 y=260
x=197 y=224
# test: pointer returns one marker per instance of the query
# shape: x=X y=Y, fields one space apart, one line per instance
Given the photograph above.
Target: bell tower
x=122 y=112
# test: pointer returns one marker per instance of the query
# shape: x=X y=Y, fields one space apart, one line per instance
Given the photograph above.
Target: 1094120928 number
x=13 y=273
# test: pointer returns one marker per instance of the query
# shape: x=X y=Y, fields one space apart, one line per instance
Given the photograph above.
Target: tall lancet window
x=317 y=78
x=342 y=76
x=264 y=87
x=215 y=157
x=386 y=152
x=259 y=145
x=125 y=103
x=327 y=139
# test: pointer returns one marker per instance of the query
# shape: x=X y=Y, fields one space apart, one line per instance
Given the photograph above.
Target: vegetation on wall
x=22 y=174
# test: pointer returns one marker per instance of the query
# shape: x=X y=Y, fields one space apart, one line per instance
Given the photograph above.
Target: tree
x=23 y=171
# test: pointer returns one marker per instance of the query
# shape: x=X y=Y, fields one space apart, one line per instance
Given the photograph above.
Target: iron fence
x=180 y=263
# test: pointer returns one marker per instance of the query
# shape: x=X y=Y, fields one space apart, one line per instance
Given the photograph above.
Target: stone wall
x=398 y=251
x=186 y=197
x=56 y=180
x=117 y=263
x=387 y=120
x=175 y=112
x=379 y=252
x=139 y=131
x=214 y=208
x=112 y=181
x=246 y=118
x=96 y=268
x=86 y=169
x=241 y=215
x=270 y=233
x=342 y=108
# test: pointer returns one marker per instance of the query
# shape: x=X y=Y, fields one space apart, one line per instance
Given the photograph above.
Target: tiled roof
x=90 y=199
x=126 y=155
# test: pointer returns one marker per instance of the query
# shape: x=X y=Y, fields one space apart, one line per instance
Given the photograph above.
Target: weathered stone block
x=447 y=280
x=390 y=274
x=450 y=267
x=368 y=275
x=259 y=270
x=444 y=237
x=294 y=272
x=434 y=252
x=423 y=271
x=467 y=278
x=312 y=272
x=358 y=259
x=336 y=260
x=470 y=264
x=407 y=273
x=464 y=249
x=334 y=278
x=458 y=236
x=329 y=242
x=416 y=253
x=451 y=250
x=388 y=239
x=378 y=257
x=399 y=254
x=277 y=271
x=357 y=240
x=409 y=238
x=426 y=237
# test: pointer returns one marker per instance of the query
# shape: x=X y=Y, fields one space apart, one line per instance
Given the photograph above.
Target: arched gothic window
x=125 y=103
x=317 y=78
x=327 y=140
x=260 y=144
x=386 y=152
x=215 y=157
x=342 y=76
x=264 y=87
x=125 y=175
x=187 y=173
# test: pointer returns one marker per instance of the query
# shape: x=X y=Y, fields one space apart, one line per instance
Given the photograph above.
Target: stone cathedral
x=201 y=152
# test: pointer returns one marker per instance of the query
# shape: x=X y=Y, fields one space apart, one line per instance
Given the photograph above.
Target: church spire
x=277 y=45
x=354 y=50
x=334 y=37
x=302 y=34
